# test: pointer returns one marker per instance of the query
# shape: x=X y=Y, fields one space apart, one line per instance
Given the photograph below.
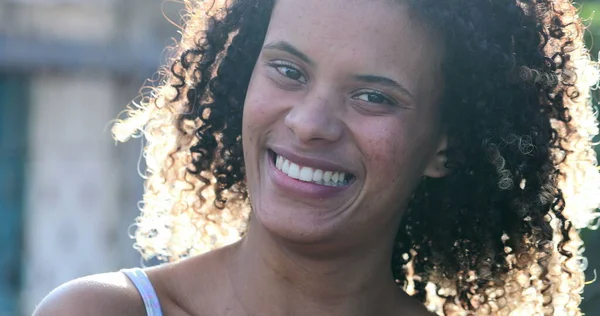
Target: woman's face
x=340 y=120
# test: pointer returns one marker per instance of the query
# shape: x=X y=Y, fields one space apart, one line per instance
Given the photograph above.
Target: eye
x=374 y=97
x=289 y=70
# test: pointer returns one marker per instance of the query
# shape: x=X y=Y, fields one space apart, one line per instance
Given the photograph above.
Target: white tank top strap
x=146 y=290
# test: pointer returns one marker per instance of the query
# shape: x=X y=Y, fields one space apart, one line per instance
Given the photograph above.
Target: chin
x=297 y=224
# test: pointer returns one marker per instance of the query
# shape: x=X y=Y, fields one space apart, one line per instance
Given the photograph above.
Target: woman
x=397 y=157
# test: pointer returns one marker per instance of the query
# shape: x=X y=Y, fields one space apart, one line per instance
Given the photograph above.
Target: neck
x=271 y=276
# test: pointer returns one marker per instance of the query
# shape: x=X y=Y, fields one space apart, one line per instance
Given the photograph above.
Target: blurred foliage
x=590 y=13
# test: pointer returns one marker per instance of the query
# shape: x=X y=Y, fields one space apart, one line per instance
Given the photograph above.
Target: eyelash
x=278 y=65
x=386 y=100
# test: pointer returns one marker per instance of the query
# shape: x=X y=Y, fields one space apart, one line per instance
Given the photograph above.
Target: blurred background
x=67 y=193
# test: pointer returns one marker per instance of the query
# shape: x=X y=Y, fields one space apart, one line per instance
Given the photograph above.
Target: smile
x=329 y=178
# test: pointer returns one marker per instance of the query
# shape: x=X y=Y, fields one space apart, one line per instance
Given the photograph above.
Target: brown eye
x=374 y=97
x=289 y=71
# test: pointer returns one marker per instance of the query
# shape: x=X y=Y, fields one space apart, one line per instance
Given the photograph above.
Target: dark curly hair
x=497 y=235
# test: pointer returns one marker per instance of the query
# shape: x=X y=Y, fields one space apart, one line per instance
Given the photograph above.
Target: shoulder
x=102 y=294
x=193 y=284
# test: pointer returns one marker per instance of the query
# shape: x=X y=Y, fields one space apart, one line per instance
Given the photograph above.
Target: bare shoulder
x=101 y=294
x=194 y=284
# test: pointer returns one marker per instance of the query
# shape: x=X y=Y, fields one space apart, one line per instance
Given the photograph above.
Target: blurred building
x=67 y=192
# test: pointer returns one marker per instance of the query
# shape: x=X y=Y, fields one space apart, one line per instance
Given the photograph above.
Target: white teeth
x=294 y=171
x=286 y=166
x=308 y=174
x=327 y=176
x=317 y=175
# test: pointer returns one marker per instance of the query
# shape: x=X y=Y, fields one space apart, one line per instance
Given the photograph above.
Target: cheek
x=386 y=156
x=263 y=104
x=256 y=110
x=387 y=166
x=253 y=105
x=393 y=154
x=382 y=140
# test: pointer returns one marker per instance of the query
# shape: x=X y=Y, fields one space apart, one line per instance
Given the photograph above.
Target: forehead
x=319 y=12
x=370 y=35
x=374 y=22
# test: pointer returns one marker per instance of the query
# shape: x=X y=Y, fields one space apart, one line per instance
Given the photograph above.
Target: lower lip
x=301 y=188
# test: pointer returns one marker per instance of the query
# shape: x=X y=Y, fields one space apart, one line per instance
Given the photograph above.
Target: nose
x=316 y=118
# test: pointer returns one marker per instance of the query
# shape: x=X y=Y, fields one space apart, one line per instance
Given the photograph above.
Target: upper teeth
x=308 y=174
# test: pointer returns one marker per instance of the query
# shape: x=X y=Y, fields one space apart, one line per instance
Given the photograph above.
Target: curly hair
x=498 y=235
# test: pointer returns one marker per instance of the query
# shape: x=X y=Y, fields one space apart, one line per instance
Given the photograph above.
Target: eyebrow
x=289 y=48
x=384 y=81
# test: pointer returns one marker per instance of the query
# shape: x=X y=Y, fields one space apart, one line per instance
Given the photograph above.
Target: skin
x=304 y=255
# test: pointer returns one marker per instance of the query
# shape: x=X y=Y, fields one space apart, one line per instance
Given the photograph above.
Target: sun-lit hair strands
x=557 y=183
x=186 y=154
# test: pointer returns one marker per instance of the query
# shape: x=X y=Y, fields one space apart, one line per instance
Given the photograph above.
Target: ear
x=436 y=167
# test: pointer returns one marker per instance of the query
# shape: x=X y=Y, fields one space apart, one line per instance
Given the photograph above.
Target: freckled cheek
x=253 y=119
x=386 y=158
x=263 y=104
x=259 y=111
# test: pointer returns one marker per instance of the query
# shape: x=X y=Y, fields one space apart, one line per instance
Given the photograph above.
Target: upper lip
x=312 y=162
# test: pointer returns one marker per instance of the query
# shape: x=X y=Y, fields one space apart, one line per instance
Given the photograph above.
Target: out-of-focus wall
x=80 y=62
x=73 y=207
